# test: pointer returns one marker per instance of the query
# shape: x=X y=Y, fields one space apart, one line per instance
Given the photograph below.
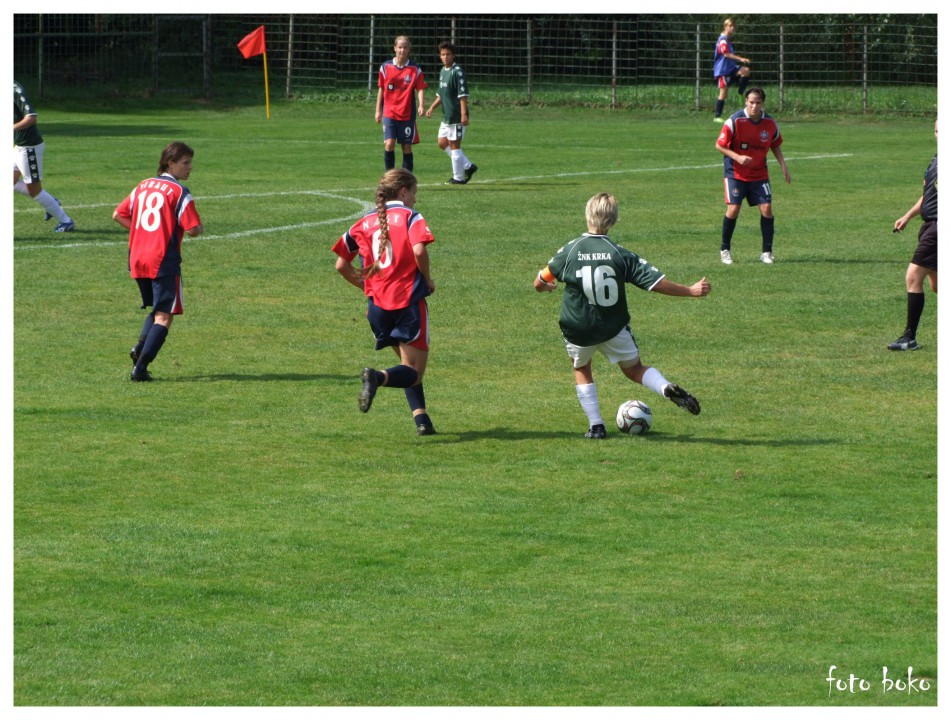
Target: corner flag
x=253 y=44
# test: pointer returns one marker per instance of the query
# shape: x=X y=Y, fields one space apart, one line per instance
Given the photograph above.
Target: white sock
x=654 y=380
x=52 y=206
x=588 y=397
x=20 y=187
x=458 y=164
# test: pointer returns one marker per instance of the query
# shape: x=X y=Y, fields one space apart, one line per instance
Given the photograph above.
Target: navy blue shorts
x=756 y=192
x=163 y=294
x=404 y=132
x=409 y=325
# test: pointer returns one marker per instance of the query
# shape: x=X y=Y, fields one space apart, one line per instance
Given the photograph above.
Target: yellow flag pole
x=267 y=94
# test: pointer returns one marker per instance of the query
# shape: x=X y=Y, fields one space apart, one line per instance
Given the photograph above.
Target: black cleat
x=140 y=375
x=470 y=171
x=904 y=343
x=134 y=354
x=453 y=181
x=681 y=398
x=368 y=391
x=425 y=430
x=597 y=432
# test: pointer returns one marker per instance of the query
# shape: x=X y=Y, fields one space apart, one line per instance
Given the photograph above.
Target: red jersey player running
x=391 y=242
x=746 y=138
x=156 y=213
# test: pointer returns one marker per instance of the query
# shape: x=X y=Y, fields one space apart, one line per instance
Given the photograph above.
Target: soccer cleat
x=725 y=257
x=718 y=120
x=904 y=343
x=65 y=227
x=48 y=216
x=453 y=181
x=681 y=398
x=470 y=171
x=140 y=375
x=767 y=258
x=368 y=391
x=425 y=430
x=134 y=354
x=597 y=432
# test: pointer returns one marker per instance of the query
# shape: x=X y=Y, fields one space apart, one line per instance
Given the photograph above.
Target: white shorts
x=452 y=132
x=619 y=349
x=28 y=159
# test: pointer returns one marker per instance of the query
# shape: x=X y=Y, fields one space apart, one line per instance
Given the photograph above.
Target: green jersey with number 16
x=595 y=270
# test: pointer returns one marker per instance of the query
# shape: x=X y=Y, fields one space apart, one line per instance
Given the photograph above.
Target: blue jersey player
x=728 y=68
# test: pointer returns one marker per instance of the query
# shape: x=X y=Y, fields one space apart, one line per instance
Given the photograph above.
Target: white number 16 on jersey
x=599 y=284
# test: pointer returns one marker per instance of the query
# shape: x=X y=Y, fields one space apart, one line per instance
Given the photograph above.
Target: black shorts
x=163 y=294
x=409 y=325
x=926 y=254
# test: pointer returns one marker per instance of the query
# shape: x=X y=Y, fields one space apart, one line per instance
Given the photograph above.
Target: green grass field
x=237 y=533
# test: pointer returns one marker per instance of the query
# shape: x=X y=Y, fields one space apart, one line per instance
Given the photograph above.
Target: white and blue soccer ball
x=634 y=417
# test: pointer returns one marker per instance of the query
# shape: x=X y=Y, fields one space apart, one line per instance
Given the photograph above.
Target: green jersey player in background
x=453 y=95
x=594 y=314
x=28 y=147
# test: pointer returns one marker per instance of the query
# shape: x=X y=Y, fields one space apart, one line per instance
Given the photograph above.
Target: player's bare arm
x=422 y=262
x=782 y=163
x=735 y=156
x=545 y=281
x=698 y=289
x=913 y=212
x=349 y=273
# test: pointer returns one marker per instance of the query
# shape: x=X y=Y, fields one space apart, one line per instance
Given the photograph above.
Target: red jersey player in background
x=398 y=101
x=157 y=213
x=746 y=138
x=391 y=242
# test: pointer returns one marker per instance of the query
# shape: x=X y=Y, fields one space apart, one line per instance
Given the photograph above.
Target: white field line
x=365 y=206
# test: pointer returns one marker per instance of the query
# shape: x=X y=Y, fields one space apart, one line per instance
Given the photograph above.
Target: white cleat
x=725 y=257
x=766 y=258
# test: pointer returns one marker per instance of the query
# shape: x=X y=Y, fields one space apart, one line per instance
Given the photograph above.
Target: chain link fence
x=808 y=63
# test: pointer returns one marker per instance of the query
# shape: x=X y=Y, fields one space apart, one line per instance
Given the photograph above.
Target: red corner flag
x=253 y=43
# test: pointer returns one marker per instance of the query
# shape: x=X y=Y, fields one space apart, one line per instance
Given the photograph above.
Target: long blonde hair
x=389 y=189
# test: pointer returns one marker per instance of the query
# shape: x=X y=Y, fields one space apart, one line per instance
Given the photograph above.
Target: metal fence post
x=696 y=92
x=528 y=31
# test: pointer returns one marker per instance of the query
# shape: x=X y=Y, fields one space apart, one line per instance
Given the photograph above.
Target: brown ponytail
x=389 y=188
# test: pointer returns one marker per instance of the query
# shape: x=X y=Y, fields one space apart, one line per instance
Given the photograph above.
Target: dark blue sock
x=389 y=159
x=766 y=227
x=401 y=376
x=422 y=419
x=408 y=161
x=720 y=104
x=416 y=398
x=153 y=343
x=729 y=225
x=146 y=326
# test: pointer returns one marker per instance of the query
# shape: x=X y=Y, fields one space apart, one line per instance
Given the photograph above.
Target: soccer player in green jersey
x=594 y=314
x=453 y=95
x=28 y=147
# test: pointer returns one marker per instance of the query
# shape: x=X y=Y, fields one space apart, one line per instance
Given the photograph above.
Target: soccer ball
x=634 y=417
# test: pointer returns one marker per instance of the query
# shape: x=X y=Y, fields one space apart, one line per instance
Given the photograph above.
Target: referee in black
x=924 y=263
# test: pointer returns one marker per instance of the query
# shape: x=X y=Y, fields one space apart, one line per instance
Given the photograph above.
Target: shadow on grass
x=264 y=377
x=503 y=433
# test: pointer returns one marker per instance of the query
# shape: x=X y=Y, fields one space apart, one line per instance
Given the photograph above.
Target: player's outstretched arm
x=698 y=289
